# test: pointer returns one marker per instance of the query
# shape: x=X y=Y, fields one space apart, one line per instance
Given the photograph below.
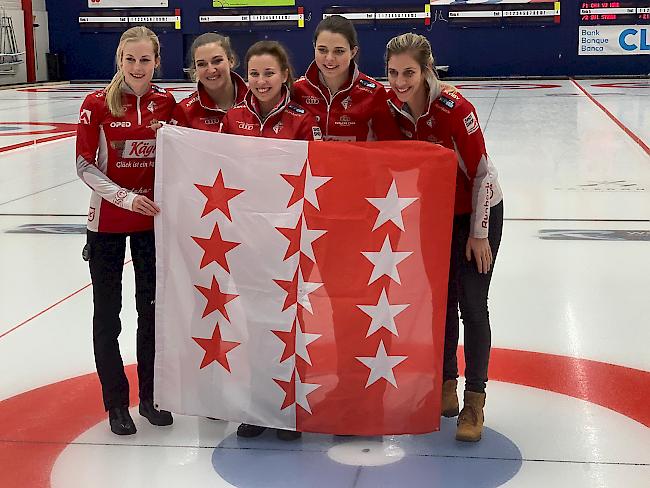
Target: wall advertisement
x=613 y=40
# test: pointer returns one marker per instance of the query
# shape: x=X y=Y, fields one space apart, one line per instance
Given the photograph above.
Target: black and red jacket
x=357 y=112
x=116 y=156
x=199 y=111
x=287 y=120
x=451 y=121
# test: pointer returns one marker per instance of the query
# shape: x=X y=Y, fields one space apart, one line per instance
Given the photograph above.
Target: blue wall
x=475 y=51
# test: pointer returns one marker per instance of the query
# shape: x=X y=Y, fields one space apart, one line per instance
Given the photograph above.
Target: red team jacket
x=115 y=156
x=451 y=121
x=199 y=111
x=287 y=120
x=358 y=112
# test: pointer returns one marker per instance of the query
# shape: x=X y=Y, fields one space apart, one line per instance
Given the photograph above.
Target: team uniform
x=287 y=120
x=199 y=111
x=115 y=158
x=451 y=121
x=357 y=112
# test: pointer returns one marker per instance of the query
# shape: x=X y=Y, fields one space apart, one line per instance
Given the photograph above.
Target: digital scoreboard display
x=619 y=12
x=504 y=14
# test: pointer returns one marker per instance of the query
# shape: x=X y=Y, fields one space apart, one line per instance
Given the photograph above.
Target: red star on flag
x=289 y=388
x=294 y=238
x=296 y=342
x=216 y=299
x=215 y=349
x=218 y=196
x=298 y=184
x=298 y=291
x=215 y=249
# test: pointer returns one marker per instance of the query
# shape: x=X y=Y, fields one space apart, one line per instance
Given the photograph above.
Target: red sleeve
x=383 y=122
x=90 y=116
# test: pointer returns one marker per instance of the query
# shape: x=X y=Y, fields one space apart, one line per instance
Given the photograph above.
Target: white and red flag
x=302 y=285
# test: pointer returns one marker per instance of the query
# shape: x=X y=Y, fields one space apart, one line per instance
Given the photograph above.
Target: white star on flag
x=302 y=390
x=303 y=339
x=385 y=261
x=381 y=365
x=313 y=183
x=307 y=238
x=304 y=289
x=390 y=207
x=383 y=314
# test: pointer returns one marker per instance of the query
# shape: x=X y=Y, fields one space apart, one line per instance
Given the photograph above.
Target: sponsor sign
x=609 y=40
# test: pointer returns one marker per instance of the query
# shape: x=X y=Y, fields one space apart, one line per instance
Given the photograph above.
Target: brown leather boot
x=449 y=406
x=470 y=420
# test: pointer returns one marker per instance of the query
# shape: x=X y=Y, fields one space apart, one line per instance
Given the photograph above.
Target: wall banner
x=607 y=40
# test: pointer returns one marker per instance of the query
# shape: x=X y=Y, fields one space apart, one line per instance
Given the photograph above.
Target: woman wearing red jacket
x=268 y=111
x=348 y=105
x=115 y=157
x=219 y=88
x=427 y=111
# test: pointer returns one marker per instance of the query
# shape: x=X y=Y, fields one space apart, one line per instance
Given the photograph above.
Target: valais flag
x=302 y=285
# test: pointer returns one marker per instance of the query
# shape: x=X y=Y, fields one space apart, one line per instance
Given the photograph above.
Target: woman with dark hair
x=268 y=109
x=218 y=89
x=348 y=105
x=428 y=111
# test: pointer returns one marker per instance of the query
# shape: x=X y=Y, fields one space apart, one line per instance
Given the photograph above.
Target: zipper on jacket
x=137 y=104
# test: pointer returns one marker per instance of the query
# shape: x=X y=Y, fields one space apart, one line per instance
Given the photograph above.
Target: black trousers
x=106 y=258
x=468 y=290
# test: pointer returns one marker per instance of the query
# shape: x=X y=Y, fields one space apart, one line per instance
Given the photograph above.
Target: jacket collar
x=205 y=100
x=252 y=104
x=315 y=78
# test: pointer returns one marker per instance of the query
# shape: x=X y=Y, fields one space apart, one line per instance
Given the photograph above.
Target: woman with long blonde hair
x=115 y=157
x=426 y=110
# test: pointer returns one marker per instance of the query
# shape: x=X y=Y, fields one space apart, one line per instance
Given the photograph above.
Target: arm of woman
x=474 y=162
x=88 y=136
x=383 y=121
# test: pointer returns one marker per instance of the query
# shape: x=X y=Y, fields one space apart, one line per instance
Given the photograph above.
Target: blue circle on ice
x=432 y=460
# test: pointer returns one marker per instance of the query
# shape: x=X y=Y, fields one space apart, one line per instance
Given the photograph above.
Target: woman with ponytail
x=115 y=157
x=427 y=110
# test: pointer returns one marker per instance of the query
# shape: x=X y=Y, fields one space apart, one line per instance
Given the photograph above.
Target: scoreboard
x=504 y=14
x=618 y=12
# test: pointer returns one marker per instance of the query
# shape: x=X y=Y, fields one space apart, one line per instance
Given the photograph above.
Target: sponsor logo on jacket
x=312 y=100
x=278 y=127
x=316 y=132
x=151 y=107
x=471 y=123
x=245 y=125
x=84 y=116
x=139 y=149
x=211 y=121
x=346 y=102
x=123 y=123
x=296 y=109
x=345 y=121
x=367 y=84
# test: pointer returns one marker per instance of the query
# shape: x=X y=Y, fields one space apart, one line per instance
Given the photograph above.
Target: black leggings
x=106 y=258
x=468 y=289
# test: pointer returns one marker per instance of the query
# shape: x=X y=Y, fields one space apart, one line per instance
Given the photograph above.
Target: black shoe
x=248 y=430
x=120 y=421
x=154 y=416
x=288 y=435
